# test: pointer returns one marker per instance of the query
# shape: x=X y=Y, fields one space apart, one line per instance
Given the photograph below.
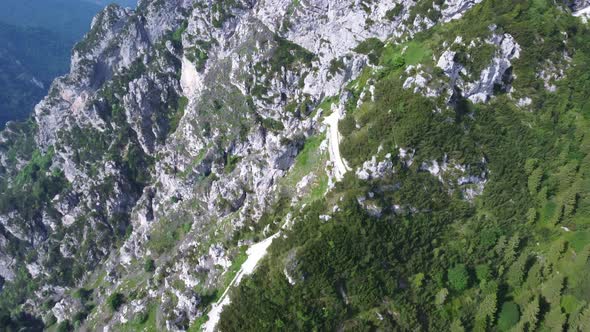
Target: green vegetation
x=34 y=185
x=394 y=12
x=169 y=231
x=199 y=54
x=309 y=162
x=336 y=66
x=149 y=265
x=176 y=37
x=371 y=47
x=272 y=124
x=176 y=116
x=412 y=53
x=289 y=55
x=236 y=264
x=65 y=326
x=221 y=11
x=115 y=301
x=458 y=277
x=509 y=316
x=442 y=262
x=144 y=321
x=164 y=240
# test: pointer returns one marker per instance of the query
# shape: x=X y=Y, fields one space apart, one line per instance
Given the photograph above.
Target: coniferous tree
x=530 y=314
x=535 y=181
x=580 y=320
x=486 y=312
x=515 y=275
x=511 y=248
x=551 y=290
x=457 y=326
x=555 y=318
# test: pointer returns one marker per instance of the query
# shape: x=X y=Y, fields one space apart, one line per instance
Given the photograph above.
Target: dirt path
x=258 y=251
x=585 y=12
x=255 y=254
x=334 y=138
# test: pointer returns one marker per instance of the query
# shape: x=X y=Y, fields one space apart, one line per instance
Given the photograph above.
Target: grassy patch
x=309 y=161
x=142 y=321
x=578 y=240
x=230 y=274
x=416 y=52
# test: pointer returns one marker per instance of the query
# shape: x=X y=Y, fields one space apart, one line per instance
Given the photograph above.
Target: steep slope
x=468 y=208
x=187 y=132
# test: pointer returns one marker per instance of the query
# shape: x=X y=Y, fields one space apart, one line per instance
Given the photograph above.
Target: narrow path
x=334 y=138
x=259 y=250
x=255 y=253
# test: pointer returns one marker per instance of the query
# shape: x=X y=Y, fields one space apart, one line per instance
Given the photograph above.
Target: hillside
x=281 y=165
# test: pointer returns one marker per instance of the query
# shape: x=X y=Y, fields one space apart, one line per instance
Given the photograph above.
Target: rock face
x=496 y=76
x=171 y=134
x=576 y=5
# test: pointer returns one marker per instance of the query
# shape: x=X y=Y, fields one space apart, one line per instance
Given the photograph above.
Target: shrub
x=394 y=12
x=141 y=317
x=372 y=47
x=79 y=317
x=149 y=265
x=83 y=294
x=115 y=301
x=65 y=326
x=49 y=320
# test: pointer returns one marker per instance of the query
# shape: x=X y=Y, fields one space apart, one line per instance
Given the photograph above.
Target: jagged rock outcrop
x=576 y=5
x=496 y=76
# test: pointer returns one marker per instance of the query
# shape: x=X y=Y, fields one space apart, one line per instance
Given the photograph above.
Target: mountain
x=30 y=58
x=124 y=3
x=69 y=17
x=306 y=165
x=36 y=38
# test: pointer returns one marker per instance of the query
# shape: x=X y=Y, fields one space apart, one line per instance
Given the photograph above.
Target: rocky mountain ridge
x=176 y=141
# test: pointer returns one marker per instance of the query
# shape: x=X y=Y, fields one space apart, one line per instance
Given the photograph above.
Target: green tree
x=580 y=320
x=483 y=272
x=486 y=312
x=531 y=215
x=535 y=181
x=511 y=249
x=441 y=296
x=557 y=250
x=570 y=200
x=418 y=280
x=509 y=316
x=535 y=276
x=64 y=326
x=530 y=165
x=530 y=316
x=551 y=290
x=555 y=319
x=515 y=275
x=458 y=277
x=457 y=326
